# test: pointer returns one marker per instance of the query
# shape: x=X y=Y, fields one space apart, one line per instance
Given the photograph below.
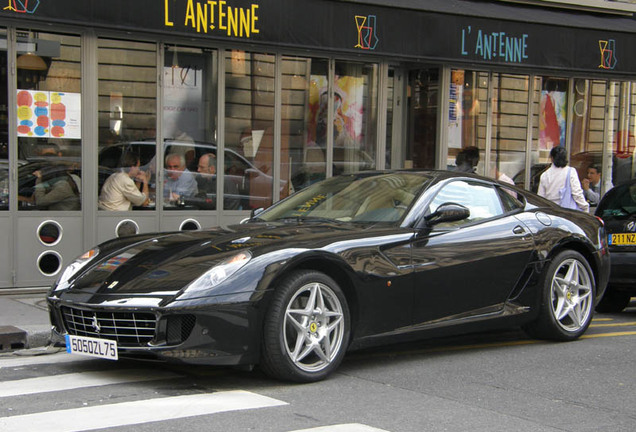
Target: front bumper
x=623 y=275
x=219 y=334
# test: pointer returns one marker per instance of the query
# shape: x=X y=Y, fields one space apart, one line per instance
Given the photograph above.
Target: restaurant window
x=127 y=90
x=304 y=80
x=618 y=157
x=4 y=125
x=529 y=179
x=468 y=120
x=48 y=120
x=423 y=95
x=590 y=99
x=355 y=117
x=510 y=112
x=392 y=98
x=189 y=129
x=249 y=129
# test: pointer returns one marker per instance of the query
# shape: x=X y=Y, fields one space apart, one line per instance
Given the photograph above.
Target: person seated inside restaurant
x=61 y=191
x=48 y=149
x=180 y=182
x=121 y=189
x=206 y=181
x=592 y=185
x=56 y=187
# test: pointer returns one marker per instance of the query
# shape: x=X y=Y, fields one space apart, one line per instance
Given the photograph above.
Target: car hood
x=162 y=264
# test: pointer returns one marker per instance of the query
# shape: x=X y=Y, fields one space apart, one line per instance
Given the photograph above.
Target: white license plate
x=92 y=347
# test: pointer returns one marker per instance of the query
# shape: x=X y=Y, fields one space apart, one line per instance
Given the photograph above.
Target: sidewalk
x=24 y=321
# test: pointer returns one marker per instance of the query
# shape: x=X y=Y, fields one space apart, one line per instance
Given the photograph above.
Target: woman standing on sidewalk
x=553 y=180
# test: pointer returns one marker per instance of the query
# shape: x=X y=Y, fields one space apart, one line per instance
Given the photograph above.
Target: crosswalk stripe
x=19 y=361
x=349 y=427
x=137 y=412
x=79 y=380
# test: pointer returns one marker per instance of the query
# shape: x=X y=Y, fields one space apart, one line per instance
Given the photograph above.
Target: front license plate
x=623 y=239
x=92 y=347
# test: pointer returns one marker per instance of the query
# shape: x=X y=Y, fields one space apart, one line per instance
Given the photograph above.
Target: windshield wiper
x=305 y=219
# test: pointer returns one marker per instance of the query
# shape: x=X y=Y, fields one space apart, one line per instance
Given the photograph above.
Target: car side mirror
x=447 y=212
x=253 y=214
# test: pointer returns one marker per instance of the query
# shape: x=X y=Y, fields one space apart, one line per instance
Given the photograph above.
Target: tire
x=567 y=299
x=306 y=328
x=613 y=302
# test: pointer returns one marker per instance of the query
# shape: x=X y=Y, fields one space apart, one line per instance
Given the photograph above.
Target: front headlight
x=220 y=272
x=73 y=268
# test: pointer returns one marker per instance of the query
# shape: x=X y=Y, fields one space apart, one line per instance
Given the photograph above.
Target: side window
x=482 y=201
x=511 y=199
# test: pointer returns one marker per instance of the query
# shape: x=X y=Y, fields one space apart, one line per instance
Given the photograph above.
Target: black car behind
x=618 y=211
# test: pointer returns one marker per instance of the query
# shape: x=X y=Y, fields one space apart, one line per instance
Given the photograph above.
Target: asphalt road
x=499 y=381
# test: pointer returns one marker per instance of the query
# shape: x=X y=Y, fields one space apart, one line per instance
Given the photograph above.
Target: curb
x=15 y=339
x=39 y=338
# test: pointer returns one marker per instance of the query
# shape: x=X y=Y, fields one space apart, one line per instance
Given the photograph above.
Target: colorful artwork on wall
x=348 y=111
x=44 y=114
x=553 y=121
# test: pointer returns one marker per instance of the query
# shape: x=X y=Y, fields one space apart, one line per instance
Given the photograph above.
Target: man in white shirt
x=120 y=192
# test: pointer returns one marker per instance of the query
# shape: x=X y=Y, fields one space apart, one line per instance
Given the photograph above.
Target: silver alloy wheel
x=313 y=327
x=571 y=295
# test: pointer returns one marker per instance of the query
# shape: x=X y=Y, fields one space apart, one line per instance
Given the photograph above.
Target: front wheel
x=306 y=329
x=567 y=299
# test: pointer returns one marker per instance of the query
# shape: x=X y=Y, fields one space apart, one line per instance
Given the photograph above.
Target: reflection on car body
x=345 y=160
x=352 y=261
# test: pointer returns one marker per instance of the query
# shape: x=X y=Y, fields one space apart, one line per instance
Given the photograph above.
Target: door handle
x=518 y=230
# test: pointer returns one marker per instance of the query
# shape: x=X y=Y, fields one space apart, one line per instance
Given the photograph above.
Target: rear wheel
x=567 y=299
x=613 y=302
x=306 y=329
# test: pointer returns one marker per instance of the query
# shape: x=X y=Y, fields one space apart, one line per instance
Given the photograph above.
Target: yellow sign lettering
x=189 y=18
x=202 y=18
x=232 y=21
x=244 y=26
x=212 y=5
x=217 y=15
x=222 y=15
x=254 y=18
x=167 y=21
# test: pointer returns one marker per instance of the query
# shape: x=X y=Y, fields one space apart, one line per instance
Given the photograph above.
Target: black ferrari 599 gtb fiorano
x=353 y=261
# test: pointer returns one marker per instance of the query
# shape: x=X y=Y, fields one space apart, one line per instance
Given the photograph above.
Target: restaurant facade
x=278 y=95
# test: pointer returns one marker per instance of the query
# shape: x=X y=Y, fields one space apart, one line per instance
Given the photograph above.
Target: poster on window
x=552 y=121
x=348 y=111
x=44 y=114
x=183 y=99
x=455 y=116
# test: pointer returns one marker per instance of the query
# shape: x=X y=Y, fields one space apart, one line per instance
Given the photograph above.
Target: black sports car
x=618 y=210
x=349 y=262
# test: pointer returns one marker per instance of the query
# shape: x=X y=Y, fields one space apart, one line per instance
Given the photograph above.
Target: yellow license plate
x=623 y=239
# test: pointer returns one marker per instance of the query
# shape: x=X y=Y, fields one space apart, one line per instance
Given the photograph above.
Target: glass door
x=423 y=95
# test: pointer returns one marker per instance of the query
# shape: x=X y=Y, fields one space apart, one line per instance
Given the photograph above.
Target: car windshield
x=620 y=201
x=351 y=198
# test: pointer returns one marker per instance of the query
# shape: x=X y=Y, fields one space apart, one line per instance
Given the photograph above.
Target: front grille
x=178 y=328
x=129 y=329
